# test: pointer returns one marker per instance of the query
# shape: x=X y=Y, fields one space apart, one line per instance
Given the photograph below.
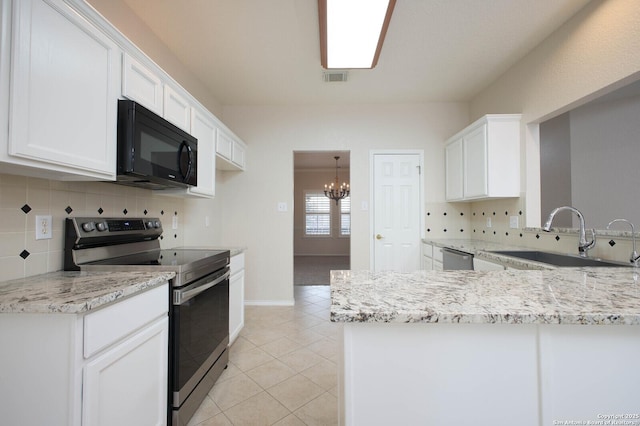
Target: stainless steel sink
x=558 y=259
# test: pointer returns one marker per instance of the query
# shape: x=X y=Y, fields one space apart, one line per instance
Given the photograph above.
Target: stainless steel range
x=199 y=297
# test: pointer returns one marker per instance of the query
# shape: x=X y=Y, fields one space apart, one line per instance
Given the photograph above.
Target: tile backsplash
x=22 y=198
x=469 y=220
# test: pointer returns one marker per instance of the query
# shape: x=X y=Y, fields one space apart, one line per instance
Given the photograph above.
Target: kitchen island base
x=498 y=374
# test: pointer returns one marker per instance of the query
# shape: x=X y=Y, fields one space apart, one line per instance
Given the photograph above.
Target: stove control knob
x=149 y=224
x=88 y=226
x=156 y=224
x=102 y=226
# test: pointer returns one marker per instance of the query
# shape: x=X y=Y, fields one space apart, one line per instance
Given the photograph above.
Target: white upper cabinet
x=453 y=166
x=203 y=127
x=230 y=151
x=483 y=160
x=177 y=108
x=62 y=70
x=64 y=81
x=140 y=84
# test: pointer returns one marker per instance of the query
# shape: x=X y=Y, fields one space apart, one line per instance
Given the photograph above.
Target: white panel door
x=397 y=210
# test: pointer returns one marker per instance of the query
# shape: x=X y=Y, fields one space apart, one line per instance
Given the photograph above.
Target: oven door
x=199 y=332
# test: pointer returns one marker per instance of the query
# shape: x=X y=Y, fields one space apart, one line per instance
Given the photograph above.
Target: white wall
x=128 y=23
x=273 y=133
x=595 y=52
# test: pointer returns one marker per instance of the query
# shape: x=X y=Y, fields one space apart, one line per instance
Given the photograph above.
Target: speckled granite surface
x=74 y=292
x=586 y=296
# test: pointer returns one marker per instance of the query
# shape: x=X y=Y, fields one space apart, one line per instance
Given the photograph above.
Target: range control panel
x=79 y=228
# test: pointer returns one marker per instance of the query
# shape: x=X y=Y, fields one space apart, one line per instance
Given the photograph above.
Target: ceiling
x=267 y=52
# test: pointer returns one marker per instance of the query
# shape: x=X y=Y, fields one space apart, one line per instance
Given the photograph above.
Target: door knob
x=378 y=237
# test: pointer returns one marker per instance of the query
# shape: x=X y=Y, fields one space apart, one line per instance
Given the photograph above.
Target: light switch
x=488 y=222
x=282 y=206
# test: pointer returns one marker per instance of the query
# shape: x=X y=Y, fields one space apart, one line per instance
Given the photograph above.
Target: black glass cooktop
x=168 y=257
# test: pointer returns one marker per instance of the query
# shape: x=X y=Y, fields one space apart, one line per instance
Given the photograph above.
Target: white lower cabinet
x=107 y=367
x=63 y=82
x=107 y=381
x=431 y=257
x=236 y=297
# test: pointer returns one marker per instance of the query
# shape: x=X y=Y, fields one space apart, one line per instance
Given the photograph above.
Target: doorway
x=322 y=226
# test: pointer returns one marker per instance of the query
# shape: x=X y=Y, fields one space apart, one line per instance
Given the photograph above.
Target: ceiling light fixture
x=352 y=31
x=335 y=192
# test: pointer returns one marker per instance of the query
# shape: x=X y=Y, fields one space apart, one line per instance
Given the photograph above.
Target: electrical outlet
x=43 y=228
x=513 y=222
x=174 y=222
x=282 y=206
x=488 y=222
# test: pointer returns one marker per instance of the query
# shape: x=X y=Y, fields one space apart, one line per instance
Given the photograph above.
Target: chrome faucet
x=583 y=245
x=634 y=254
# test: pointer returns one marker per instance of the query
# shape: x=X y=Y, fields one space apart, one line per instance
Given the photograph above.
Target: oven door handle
x=182 y=295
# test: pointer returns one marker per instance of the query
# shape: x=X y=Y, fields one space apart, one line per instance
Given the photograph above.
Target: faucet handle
x=588 y=245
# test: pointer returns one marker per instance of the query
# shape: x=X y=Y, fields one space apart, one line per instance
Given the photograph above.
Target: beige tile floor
x=282 y=368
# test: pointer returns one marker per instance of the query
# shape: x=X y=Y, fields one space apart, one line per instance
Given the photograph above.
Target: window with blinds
x=345 y=216
x=317 y=209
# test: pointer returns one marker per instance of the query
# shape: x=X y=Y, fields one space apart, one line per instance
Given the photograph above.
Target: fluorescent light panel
x=352 y=31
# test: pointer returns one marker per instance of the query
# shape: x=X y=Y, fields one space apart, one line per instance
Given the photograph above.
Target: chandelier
x=335 y=192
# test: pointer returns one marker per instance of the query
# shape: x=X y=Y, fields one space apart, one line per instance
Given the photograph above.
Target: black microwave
x=153 y=153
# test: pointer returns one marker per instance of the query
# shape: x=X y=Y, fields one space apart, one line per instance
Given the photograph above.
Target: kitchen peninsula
x=525 y=347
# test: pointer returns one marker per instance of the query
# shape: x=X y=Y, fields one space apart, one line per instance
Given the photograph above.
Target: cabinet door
x=141 y=85
x=128 y=383
x=453 y=170
x=475 y=162
x=177 y=109
x=236 y=305
x=224 y=145
x=65 y=80
x=204 y=129
x=237 y=156
x=427 y=263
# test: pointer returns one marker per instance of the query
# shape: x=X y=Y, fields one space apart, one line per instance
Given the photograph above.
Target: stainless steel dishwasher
x=456 y=260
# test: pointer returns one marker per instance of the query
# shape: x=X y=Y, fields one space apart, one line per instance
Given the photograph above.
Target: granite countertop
x=233 y=251
x=586 y=296
x=74 y=292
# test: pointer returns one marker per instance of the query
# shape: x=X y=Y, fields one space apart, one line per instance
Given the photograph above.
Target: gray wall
x=555 y=173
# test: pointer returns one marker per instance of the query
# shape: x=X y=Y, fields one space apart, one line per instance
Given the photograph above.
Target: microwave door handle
x=189 y=163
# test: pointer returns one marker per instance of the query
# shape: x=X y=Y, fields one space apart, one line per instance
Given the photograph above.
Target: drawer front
x=437 y=253
x=106 y=326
